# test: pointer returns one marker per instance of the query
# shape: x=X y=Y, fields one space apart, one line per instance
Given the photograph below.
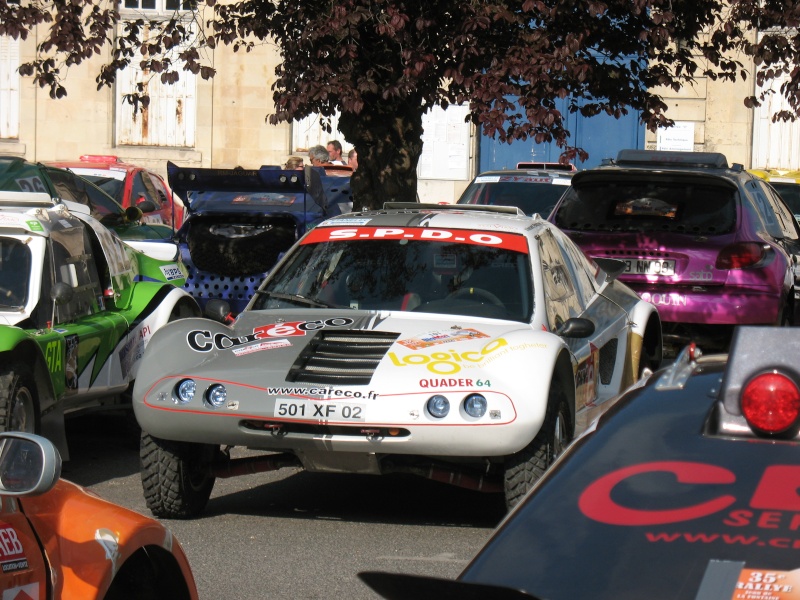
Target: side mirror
x=575 y=328
x=61 y=293
x=29 y=464
x=219 y=310
x=612 y=267
x=145 y=205
x=133 y=213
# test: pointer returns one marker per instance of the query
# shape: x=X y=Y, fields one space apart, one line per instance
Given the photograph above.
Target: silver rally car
x=465 y=344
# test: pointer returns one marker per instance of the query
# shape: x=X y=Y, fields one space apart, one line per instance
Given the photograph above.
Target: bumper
x=386 y=424
x=721 y=306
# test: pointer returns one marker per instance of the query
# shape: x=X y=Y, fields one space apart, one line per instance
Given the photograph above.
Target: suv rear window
x=645 y=205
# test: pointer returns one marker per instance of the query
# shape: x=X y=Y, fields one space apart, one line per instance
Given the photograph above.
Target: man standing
x=335 y=153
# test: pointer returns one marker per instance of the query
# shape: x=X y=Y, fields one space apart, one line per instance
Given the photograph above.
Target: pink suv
x=711 y=245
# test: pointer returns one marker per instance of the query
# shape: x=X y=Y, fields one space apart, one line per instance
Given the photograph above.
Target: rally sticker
x=441 y=337
x=509 y=241
x=171 y=272
x=35 y=226
x=12 y=555
x=262 y=346
x=763 y=584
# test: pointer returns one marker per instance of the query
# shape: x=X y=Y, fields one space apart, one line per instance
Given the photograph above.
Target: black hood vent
x=342 y=357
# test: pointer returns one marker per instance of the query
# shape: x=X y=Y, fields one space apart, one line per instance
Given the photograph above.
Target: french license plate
x=308 y=410
x=650 y=267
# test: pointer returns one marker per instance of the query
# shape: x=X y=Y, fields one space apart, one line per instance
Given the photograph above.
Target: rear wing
x=331 y=191
x=184 y=180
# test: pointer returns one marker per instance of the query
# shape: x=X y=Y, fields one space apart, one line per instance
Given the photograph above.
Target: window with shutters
x=169 y=120
x=162 y=6
x=9 y=88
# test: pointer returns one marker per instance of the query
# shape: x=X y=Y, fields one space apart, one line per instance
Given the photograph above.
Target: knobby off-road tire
x=232 y=256
x=19 y=406
x=527 y=466
x=176 y=476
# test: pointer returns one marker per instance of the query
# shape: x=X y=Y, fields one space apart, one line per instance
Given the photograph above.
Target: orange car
x=130 y=185
x=59 y=541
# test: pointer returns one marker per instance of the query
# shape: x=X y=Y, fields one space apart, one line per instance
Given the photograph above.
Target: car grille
x=342 y=357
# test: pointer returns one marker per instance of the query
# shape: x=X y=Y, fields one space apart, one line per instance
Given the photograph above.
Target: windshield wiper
x=296 y=298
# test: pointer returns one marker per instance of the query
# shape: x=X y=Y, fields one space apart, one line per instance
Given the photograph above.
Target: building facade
x=222 y=122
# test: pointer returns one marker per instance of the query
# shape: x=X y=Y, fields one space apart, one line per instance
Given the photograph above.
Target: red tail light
x=771 y=403
x=741 y=255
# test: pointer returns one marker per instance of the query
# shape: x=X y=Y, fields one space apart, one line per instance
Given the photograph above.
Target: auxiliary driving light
x=185 y=390
x=216 y=395
x=438 y=406
x=475 y=405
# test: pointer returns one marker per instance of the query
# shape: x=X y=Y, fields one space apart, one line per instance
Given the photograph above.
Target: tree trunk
x=388 y=140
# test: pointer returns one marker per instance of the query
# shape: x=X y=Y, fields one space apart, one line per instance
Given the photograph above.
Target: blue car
x=240 y=222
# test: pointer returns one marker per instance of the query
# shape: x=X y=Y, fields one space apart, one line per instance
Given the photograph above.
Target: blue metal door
x=601 y=136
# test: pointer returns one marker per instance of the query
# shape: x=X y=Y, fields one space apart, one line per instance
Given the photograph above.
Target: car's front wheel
x=524 y=468
x=18 y=400
x=177 y=477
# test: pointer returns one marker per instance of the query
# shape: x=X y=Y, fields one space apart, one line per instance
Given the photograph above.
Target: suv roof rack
x=504 y=210
x=714 y=160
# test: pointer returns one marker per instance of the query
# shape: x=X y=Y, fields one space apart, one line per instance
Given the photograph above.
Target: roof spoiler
x=715 y=160
x=183 y=180
x=505 y=210
x=26 y=199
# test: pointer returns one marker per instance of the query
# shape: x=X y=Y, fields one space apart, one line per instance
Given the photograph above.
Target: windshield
x=15 y=267
x=113 y=187
x=790 y=192
x=648 y=206
x=248 y=202
x=405 y=275
x=532 y=194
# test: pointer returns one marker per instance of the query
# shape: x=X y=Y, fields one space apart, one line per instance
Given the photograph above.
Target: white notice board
x=446 y=144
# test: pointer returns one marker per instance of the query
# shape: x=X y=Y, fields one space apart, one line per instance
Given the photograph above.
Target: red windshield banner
x=507 y=241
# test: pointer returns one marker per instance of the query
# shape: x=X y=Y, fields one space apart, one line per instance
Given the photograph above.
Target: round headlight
x=185 y=390
x=475 y=405
x=438 y=406
x=216 y=394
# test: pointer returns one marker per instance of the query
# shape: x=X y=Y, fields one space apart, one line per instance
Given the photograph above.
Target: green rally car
x=77 y=308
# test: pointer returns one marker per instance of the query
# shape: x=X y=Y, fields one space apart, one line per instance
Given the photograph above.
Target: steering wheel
x=472 y=292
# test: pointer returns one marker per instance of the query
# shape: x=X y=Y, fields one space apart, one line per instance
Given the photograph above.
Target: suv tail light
x=741 y=255
x=771 y=403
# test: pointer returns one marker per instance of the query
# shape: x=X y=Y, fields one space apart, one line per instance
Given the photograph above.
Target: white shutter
x=169 y=120
x=9 y=88
x=775 y=145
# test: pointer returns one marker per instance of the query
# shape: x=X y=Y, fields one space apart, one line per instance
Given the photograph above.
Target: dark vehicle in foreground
x=534 y=188
x=686 y=489
x=711 y=245
x=59 y=541
x=240 y=221
x=464 y=345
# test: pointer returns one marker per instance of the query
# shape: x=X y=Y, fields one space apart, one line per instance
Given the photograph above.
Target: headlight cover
x=475 y=405
x=184 y=391
x=438 y=406
x=216 y=395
